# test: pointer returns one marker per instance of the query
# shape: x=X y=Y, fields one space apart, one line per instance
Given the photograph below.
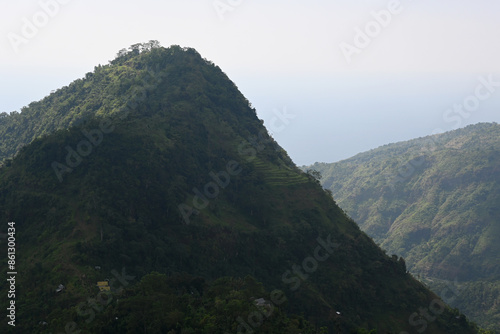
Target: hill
x=153 y=179
x=434 y=201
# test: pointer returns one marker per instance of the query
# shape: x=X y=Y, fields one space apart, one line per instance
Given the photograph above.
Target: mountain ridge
x=433 y=201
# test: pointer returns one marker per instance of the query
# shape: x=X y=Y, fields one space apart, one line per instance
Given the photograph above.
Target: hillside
x=154 y=176
x=433 y=201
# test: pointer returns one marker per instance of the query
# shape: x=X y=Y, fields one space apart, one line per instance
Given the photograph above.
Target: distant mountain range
x=436 y=202
x=149 y=198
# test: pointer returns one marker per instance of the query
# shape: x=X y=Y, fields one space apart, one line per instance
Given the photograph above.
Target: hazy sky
x=352 y=75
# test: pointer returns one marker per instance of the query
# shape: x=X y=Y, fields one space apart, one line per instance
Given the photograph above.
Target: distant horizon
x=332 y=123
x=394 y=143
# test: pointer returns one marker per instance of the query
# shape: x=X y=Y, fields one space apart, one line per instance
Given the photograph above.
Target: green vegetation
x=434 y=201
x=184 y=304
x=156 y=129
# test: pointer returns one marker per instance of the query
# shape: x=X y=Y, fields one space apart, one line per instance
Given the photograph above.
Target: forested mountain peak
x=142 y=72
x=154 y=174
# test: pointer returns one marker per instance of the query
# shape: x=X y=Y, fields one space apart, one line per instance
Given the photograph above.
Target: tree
x=152 y=44
x=121 y=53
x=316 y=175
x=136 y=48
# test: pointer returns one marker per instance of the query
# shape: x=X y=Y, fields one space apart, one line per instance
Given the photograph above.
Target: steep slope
x=175 y=174
x=434 y=201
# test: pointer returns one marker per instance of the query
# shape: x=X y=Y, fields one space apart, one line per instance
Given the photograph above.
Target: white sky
x=282 y=54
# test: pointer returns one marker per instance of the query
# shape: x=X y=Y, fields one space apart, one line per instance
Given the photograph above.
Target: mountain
x=433 y=201
x=149 y=198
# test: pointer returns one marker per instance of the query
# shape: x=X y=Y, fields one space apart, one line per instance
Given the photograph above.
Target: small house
x=103 y=286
